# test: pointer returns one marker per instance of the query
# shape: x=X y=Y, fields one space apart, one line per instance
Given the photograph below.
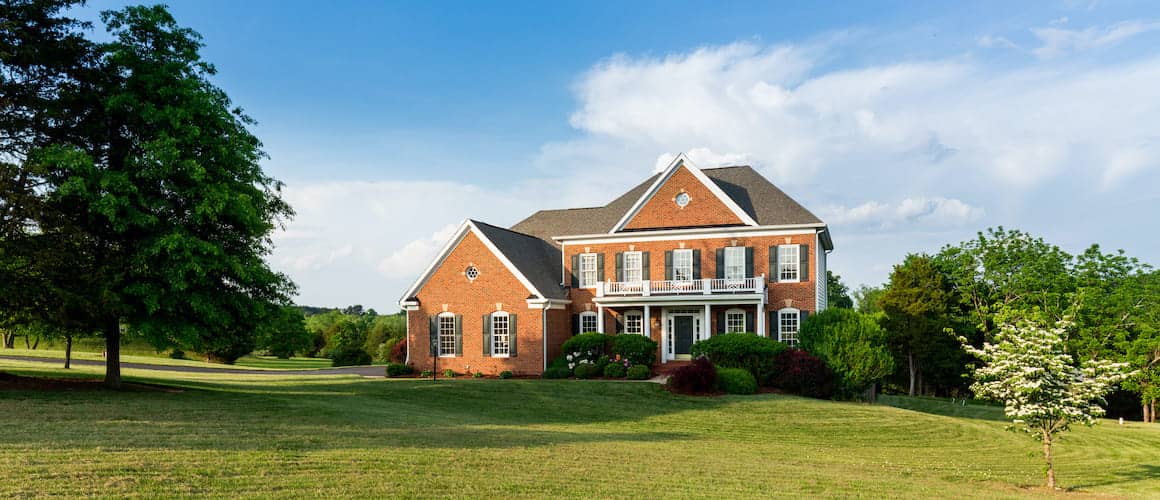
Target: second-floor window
x=734 y=263
x=632 y=267
x=587 y=270
x=788 y=262
x=683 y=265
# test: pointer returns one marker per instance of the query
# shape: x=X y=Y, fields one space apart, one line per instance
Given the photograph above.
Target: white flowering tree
x=1030 y=371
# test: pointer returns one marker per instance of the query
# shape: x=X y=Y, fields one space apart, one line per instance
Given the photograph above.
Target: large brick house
x=687 y=254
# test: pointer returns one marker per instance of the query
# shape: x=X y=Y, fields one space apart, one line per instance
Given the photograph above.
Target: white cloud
x=416 y=255
x=1057 y=41
x=996 y=42
x=919 y=213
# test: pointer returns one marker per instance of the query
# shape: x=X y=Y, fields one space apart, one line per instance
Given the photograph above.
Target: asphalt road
x=366 y=371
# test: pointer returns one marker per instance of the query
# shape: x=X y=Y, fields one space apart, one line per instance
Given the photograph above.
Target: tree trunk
x=67 y=351
x=36 y=344
x=910 y=361
x=1047 y=456
x=113 y=354
x=27 y=345
x=1147 y=413
x=9 y=340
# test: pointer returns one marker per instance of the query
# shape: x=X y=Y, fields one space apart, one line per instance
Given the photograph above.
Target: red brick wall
x=449 y=287
x=704 y=208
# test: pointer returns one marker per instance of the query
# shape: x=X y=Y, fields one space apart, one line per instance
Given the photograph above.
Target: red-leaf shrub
x=399 y=351
x=798 y=372
x=697 y=378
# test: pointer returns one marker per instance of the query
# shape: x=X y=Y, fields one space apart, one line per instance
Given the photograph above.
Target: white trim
x=676 y=164
x=580 y=281
x=639 y=265
x=797 y=260
x=460 y=233
x=635 y=312
x=580 y=323
x=687 y=234
x=797 y=314
x=744 y=323
x=671 y=300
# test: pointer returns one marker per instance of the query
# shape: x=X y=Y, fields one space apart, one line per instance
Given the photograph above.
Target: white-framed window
x=587 y=272
x=735 y=263
x=735 y=321
x=500 y=335
x=588 y=322
x=632 y=267
x=683 y=264
x=788 y=261
x=634 y=322
x=787 y=325
x=446 y=335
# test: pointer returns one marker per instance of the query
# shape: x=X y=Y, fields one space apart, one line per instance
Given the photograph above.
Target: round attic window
x=682 y=199
x=472 y=272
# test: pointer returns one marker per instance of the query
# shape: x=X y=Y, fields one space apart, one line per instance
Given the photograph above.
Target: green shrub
x=349 y=356
x=603 y=361
x=177 y=354
x=477 y=375
x=448 y=373
x=736 y=381
x=639 y=372
x=588 y=370
x=852 y=345
x=615 y=370
x=385 y=349
x=741 y=350
x=586 y=347
x=556 y=372
x=426 y=373
x=637 y=349
x=397 y=369
x=506 y=374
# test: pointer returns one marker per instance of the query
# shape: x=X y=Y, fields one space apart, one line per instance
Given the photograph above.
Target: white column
x=708 y=326
x=647 y=323
x=761 y=319
x=600 y=318
x=664 y=338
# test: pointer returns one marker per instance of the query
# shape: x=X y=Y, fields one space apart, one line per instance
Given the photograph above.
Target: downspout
x=544 y=337
x=407 y=359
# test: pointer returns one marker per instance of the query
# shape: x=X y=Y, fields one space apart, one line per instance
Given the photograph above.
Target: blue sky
x=905 y=125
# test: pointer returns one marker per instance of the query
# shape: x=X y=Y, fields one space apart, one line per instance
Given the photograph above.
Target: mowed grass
x=329 y=436
x=245 y=362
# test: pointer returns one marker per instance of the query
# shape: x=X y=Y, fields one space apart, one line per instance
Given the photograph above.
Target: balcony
x=707 y=286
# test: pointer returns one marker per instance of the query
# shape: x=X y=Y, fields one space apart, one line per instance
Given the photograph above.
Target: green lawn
x=256 y=362
x=251 y=435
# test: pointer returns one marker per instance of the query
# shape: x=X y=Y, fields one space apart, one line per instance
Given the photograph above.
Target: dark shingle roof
x=538 y=260
x=758 y=197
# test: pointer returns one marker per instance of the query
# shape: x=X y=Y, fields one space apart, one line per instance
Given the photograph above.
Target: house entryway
x=682 y=329
x=683 y=333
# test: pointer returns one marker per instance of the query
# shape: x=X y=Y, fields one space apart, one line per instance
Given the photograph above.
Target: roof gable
x=680 y=165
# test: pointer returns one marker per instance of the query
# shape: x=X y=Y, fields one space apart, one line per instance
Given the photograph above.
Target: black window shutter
x=619 y=327
x=575 y=270
x=805 y=262
x=434 y=334
x=720 y=263
x=458 y=335
x=774 y=272
x=575 y=324
x=512 y=329
x=802 y=317
x=696 y=264
x=772 y=325
x=720 y=321
x=750 y=326
x=619 y=266
x=644 y=266
x=486 y=321
x=668 y=264
x=748 y=262
x=600 y=267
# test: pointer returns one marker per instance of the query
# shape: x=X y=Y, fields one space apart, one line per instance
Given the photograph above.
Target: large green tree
x=868 y=299
x=853 y=345
x=837 y=293
x=919 y=303
x=154 y=186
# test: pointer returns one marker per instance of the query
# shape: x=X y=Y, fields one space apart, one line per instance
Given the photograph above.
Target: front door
x=683 y=330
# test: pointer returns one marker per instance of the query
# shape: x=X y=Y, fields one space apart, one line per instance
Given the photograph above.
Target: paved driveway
x=366 y=371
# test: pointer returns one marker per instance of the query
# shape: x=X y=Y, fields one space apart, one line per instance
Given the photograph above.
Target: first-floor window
x=446 y=334
x=634 y=322
x=734 y=321
x=587 y=322
x=787 y=326
x=500 y=335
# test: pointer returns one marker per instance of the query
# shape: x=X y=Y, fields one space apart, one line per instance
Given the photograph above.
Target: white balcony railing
x=707 y=286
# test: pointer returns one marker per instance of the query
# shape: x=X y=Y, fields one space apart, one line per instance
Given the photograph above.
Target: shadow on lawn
x=1141 y=472
x=944 y=407
x=322 y=414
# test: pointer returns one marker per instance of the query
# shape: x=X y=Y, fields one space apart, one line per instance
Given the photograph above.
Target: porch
x=676 y=323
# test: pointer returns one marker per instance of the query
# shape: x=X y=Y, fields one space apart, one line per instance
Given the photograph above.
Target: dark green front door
x=683 y=326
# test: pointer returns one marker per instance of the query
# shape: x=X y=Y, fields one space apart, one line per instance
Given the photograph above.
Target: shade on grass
x=248 y=435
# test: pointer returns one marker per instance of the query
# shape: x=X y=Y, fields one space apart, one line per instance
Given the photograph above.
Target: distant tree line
x=1110 y=302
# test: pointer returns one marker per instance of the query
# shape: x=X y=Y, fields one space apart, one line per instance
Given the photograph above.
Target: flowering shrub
x=638 y=372
x=799 y=372
x=736 y=381
x=585 y=347
x=637 y=349
x=697 y=378
x=588 y=370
